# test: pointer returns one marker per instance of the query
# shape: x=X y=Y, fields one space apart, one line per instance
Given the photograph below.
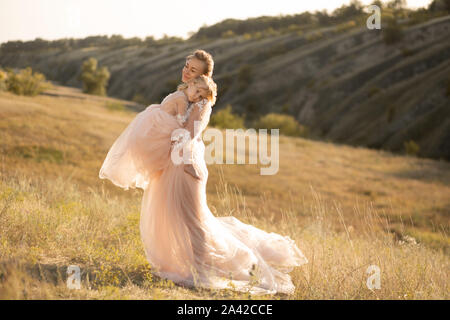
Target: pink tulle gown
x=183 y=240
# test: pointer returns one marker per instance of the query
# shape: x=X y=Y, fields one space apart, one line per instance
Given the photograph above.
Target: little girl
x=195 y=93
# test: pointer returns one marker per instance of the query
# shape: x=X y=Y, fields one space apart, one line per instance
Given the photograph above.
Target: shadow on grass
x=57 y=275
x=427 y=171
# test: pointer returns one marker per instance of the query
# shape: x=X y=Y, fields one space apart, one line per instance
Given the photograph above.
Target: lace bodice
x=196 y=113
x=182 y=118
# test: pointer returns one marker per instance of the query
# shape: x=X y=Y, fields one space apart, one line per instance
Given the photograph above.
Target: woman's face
x=192 y=69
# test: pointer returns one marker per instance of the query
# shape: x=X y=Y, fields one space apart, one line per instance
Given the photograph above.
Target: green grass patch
x=38 y=153
x=115 y=106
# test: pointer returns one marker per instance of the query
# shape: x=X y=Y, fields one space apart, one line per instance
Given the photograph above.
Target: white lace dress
x=183 y=240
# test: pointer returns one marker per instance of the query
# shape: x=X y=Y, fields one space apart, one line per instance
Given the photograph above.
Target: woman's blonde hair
x=203 y=82
x=204 y=56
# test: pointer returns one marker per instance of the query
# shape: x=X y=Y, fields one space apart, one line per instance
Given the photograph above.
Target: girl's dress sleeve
x=141 y=151
x=119 y=165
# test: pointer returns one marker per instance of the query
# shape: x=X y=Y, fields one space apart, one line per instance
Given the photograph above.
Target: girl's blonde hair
x=204 y=82
x=204 y=56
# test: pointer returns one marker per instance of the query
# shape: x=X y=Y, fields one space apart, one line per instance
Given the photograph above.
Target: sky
x=55 y=19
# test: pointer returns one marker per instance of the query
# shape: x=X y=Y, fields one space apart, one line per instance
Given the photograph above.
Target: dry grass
x=347 y=208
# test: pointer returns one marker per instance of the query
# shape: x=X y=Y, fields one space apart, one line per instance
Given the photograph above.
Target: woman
x=183 y=240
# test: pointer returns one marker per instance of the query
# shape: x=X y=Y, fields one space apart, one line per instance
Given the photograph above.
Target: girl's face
x=192 y=69
x=195 y=93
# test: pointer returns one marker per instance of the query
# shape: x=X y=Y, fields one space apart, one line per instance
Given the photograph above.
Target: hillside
x=349 y=88
x=342 y=82
x=346 y=207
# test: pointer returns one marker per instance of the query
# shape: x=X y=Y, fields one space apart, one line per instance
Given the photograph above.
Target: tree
x=347 y=12
x=25 y=82
x=94 y=80
x=287 y=124
x=439 y=5
x=397 y=4
x=225 y=118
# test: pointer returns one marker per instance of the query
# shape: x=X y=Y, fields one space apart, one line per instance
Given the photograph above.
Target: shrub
x=115 y=106
x=373 y=91
x=257 y=35
x=269 y=32
x=345 y=26
x=293 y=28
x=140 y=98
x=228 y=34
x=3 y=77
x=314 y=36
x=225 y=118
x=247 y=36
x=287 y=124
x=25 y=82
x=411 y=148
x=94 y=80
